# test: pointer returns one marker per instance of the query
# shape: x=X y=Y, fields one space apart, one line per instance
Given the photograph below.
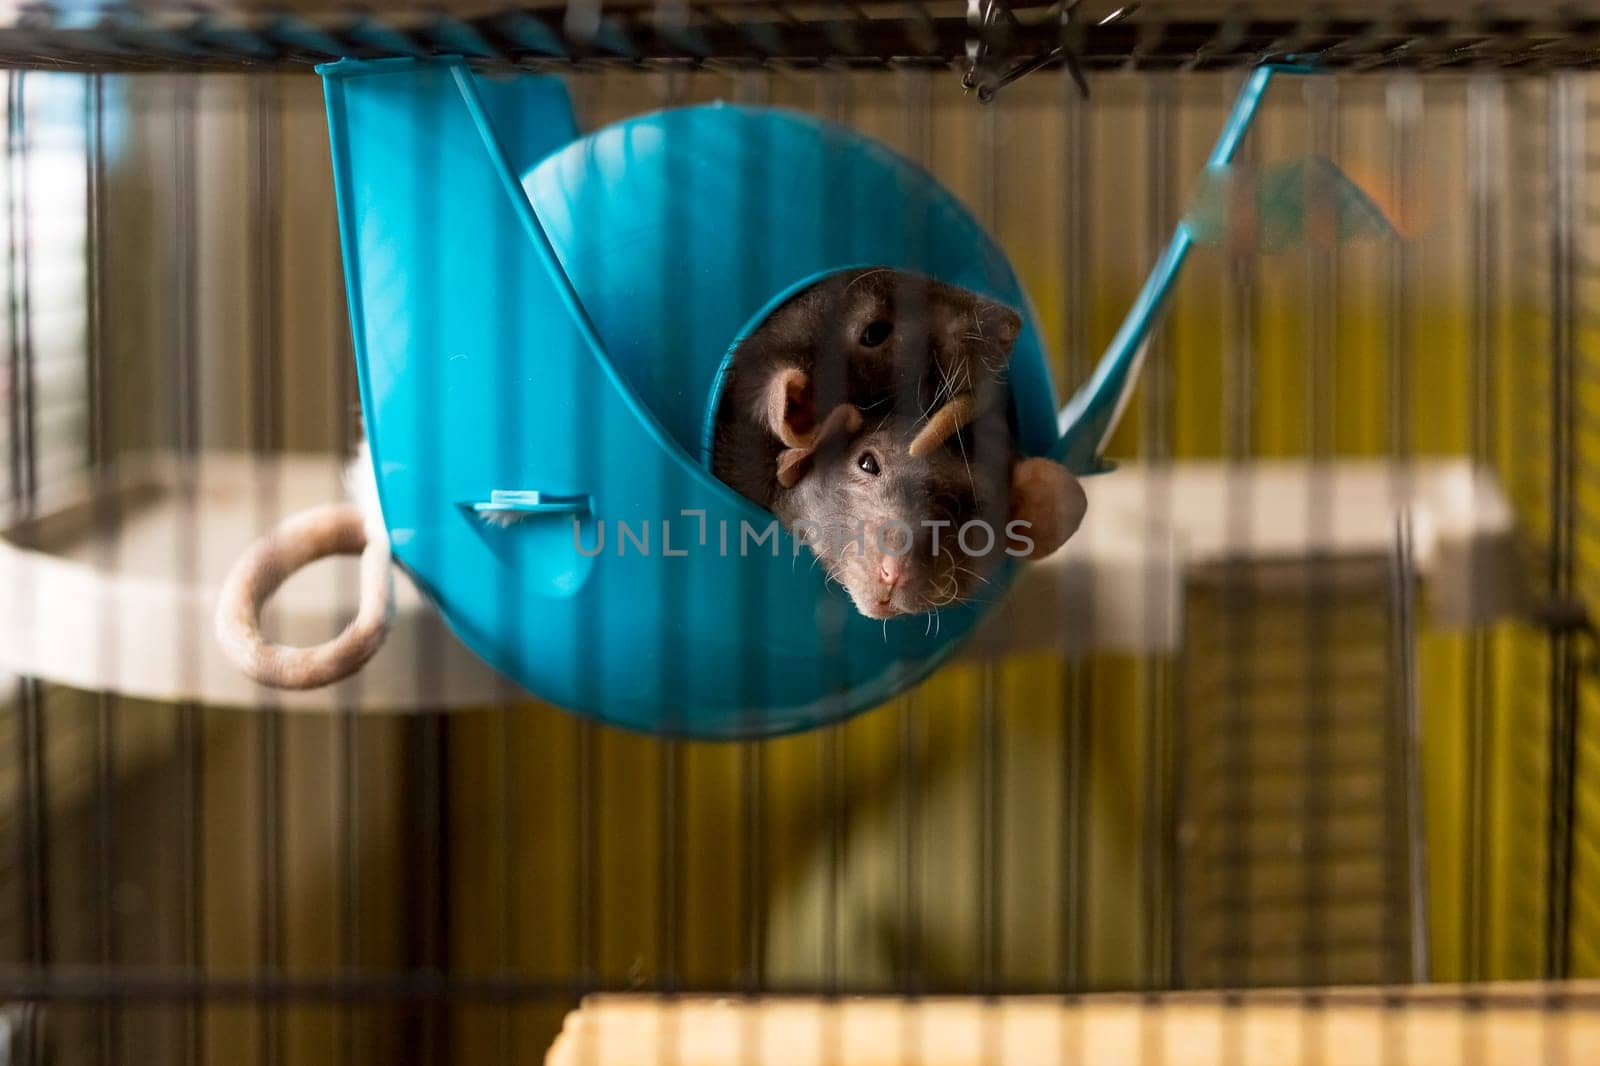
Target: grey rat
x=869 y=414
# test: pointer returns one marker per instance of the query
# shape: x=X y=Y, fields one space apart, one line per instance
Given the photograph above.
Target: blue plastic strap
x=1089 y=418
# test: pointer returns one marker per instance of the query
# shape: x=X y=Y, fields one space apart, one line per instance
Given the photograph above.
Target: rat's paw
x=1046 y=496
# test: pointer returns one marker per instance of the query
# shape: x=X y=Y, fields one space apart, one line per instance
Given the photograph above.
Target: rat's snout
x=895 y=543
x=891 y=574
x=888 y=591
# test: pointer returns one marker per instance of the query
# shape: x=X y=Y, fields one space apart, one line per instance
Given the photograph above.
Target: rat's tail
x=332 y=529
x=361 y=485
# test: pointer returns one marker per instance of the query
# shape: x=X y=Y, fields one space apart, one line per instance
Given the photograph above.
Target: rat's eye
x=876 y=333
x=868 y=462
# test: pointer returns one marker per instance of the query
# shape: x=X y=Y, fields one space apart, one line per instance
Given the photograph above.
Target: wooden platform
x=1495 y=1025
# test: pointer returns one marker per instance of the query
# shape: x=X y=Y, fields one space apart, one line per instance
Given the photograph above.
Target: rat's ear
x=791 y=407
x=978 y=335
x=795 y=460
x=1046 y=496
x=998 y=326
x=792 y=417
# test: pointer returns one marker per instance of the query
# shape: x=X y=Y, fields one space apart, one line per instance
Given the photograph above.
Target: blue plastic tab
x=527 y=502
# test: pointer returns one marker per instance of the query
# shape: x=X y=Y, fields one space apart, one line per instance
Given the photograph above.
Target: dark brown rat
x=882 y=340
x=869 y=414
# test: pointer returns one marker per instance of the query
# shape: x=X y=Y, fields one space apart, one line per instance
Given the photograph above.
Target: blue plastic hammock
x=540 y=323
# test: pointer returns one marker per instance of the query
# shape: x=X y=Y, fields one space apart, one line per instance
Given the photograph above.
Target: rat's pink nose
x=890 y=571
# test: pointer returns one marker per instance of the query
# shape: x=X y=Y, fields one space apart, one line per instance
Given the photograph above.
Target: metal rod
x=1321 y=318
x=1239 y=615
x=347 y=756
x=752 y=87
x=186 y=414
x=1077 y=248
x=628 y=35
x=31 y=802
x=990 y=753
x=1485 y=120
x=835 y=100
x=102 y=437
x=1566 y=148
x=266 y=297
x=1156 y=450
x=916 y=93
x=24 y=425
x=1403 y=933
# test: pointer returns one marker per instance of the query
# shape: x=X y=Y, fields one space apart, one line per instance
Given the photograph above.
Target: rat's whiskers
x=865 y=275
x=958 y=568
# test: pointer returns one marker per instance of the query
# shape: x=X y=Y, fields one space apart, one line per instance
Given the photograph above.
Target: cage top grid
x=560 y=33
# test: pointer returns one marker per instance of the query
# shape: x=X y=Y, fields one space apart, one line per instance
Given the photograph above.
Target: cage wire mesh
x=1365 y=764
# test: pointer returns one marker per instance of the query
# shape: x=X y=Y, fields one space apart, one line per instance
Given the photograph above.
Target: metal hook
x=982 y=14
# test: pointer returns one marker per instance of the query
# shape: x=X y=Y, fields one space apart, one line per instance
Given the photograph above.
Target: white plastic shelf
x=1118 y=584
x=115 y=592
